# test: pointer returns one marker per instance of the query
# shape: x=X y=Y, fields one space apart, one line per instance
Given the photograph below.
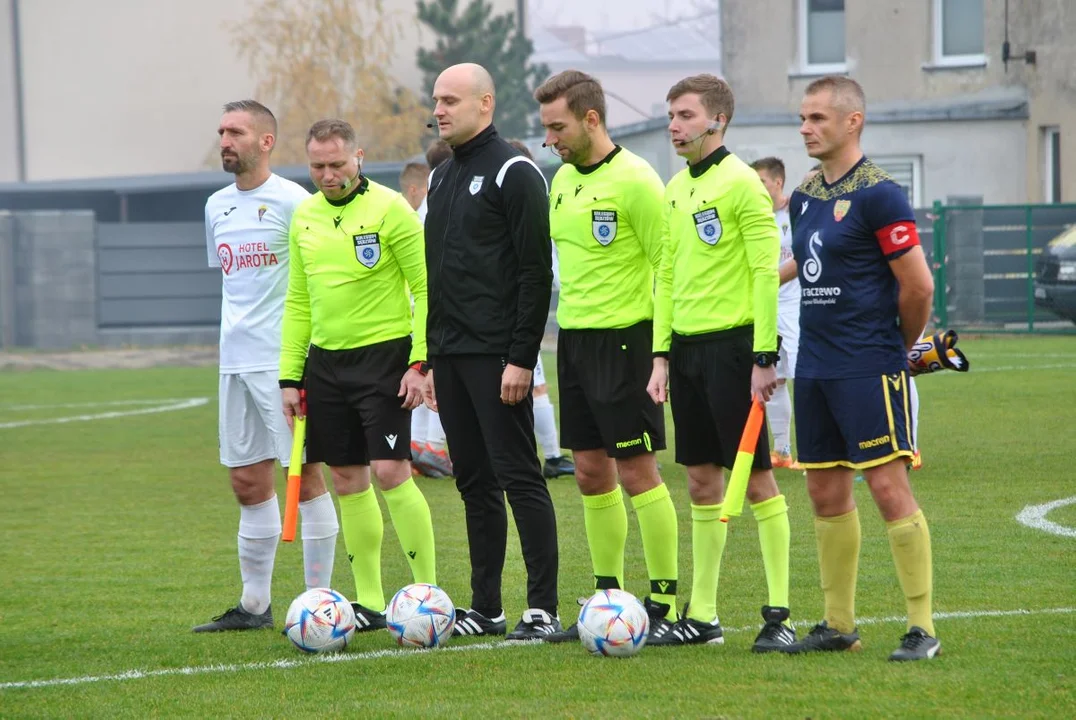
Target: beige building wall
x=889 y=48
x=8 y=109
x=132 y=87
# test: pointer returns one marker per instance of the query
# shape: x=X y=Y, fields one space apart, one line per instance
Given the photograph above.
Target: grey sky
x=611 y=15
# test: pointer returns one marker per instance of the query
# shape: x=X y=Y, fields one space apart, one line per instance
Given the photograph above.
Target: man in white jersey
x=779 y=407
x=247 y=238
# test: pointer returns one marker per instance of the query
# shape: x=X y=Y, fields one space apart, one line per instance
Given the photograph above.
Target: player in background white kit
x=545 y=421
x=779 y=407
x=429 y=455
x=247 y=238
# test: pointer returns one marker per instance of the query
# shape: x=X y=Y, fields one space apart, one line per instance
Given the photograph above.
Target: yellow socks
x=838 y=540
x=909 y=539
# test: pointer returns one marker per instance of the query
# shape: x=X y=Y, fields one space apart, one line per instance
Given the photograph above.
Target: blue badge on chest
x=367 y=248
x=603 y=225
x=708 y=225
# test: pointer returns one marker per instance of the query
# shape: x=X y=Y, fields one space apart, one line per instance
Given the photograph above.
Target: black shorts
x=354 y=413
x=602 y=377
x=710 y=392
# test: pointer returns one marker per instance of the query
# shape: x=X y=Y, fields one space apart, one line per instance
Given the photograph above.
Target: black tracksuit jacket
x=488 y=256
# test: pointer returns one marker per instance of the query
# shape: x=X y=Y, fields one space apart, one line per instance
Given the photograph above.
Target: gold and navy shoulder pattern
x=866 y=175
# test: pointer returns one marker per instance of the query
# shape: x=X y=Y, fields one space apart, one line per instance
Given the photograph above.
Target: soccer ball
x=613 y=623
x=421 y=615
x=320 y=620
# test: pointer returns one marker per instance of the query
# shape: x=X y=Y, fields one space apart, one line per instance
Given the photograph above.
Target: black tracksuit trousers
x=494 y=454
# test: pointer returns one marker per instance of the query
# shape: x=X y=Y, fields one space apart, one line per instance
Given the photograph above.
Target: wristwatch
x=422 y=366
x=766 y=359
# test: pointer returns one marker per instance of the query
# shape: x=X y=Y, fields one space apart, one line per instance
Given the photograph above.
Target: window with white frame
x=958 y=32
x=1051 y=164
x=821 y=36
x=906 y=171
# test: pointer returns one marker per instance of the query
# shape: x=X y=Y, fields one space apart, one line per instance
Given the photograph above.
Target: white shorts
x=788 y=327
x=539 y=373
x=251 y=425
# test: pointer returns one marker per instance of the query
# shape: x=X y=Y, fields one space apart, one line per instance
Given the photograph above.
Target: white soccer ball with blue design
x=421 y=615
x=320 y=620
x=613 y=623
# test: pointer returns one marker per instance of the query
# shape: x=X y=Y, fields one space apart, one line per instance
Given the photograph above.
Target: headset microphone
x=713 y=127
x=348 y=181
x=430 y=126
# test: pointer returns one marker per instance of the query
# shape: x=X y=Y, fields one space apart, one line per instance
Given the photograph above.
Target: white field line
x=1006 y=368
x=304 y=661
x=991 y=355
x=1034 y=517
x=175 y=405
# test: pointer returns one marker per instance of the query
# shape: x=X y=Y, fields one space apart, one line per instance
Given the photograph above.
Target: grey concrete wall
x=67 y=281
x=8 y=316
x=51 y=279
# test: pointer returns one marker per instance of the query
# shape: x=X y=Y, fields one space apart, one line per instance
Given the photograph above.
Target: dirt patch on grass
x=121 y=359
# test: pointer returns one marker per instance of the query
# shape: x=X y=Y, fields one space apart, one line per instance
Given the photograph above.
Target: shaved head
x=470 y=75
x=464 y=98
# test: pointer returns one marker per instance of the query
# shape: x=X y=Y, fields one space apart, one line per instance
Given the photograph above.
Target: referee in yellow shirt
x=356 y=248
x=715 y=345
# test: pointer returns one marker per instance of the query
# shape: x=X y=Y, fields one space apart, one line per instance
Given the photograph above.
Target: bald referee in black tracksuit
x=489 y=279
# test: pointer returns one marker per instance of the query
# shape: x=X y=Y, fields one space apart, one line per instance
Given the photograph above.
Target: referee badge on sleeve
x=603 y=224
x=367 y=249
x=708 y=226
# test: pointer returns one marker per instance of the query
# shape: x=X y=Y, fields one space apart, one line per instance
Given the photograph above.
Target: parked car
x=1055 y=276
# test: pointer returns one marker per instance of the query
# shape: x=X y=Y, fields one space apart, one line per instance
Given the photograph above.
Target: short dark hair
x=255 y=109
x=847 y=93
x=518 y=145
x=582 y=92
x=773 y=165
x=437 y=153
x=714 y=94
x=413 y=172
x=331 y=128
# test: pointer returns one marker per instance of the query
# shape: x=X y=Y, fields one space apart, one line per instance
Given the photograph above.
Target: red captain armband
x=899 y=236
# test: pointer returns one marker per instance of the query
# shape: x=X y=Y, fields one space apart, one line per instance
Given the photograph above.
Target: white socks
x=420 y=424
x=913 y=398
x=435 y=432
x=319 y=530
x=545 y=426
x=259 y=532
x=779 y=411
x=426 y=428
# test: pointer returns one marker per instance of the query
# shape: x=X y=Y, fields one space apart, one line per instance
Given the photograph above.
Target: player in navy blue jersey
x=865 y=298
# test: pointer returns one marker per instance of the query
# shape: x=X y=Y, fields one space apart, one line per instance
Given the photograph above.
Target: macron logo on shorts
x=391 y=440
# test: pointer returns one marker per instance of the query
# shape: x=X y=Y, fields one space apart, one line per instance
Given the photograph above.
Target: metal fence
x=154 y=275
x=996 y=267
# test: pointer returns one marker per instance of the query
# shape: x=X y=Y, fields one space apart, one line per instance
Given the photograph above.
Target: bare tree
x=313 y=59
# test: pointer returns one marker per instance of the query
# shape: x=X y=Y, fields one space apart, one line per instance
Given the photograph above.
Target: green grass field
x=119 y=535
